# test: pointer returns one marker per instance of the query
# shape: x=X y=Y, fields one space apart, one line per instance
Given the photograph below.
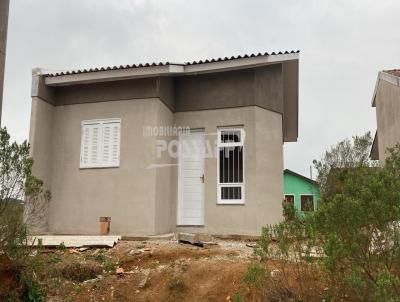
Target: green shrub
x=255 y=275
x=32 y=290
x=356 y=226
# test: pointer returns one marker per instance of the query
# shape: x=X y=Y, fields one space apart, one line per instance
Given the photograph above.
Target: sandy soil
x=152 y=271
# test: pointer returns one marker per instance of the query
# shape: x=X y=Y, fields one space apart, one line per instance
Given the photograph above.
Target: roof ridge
x=141 y=65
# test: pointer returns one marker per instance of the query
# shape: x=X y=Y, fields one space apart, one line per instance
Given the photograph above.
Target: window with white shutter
x=100 y=143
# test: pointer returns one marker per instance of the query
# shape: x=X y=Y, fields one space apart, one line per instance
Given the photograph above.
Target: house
x=301 y=191
x=386 y=100
x=165 y=147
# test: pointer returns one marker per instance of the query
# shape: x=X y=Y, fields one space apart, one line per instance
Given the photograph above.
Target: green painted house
x=302 y=191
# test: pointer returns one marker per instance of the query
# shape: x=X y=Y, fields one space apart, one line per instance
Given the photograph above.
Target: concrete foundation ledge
x=73 y=240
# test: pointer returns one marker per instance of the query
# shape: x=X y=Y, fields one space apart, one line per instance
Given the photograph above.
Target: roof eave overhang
x=166 y=70
x=113 y=75
x=384 y=76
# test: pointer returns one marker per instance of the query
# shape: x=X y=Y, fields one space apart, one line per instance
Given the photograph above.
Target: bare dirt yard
x=148 y=271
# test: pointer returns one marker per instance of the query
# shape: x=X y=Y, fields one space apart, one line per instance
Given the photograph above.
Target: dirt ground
x=148 y=271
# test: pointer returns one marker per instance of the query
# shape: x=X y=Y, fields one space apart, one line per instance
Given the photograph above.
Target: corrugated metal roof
x=61 y=73
x=395 y=72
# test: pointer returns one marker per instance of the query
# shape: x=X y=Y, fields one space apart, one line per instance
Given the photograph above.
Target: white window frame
x=222 y=185
x=313 y=195
x=101 y=122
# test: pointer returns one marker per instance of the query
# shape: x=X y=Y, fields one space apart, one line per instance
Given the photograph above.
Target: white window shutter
x=115 y=144
x=100 y=143
x=106 y=156
x=85 y=146
x=95 y=143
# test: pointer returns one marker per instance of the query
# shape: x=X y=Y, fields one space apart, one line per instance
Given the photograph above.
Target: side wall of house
x=166 y=183
x=126 y=194
x=263 y=169
x=40 y=138
x=41 y=144
x=388 y=116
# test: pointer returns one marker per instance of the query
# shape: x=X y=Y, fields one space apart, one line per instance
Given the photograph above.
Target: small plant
x=140 y=246
x=33 y=291
x=255 y=275
x=101 y=258
x=61 y=246
x=55 y=258
x=109 y=266
x=78 y=288
x=237 y=297
x=177 y=285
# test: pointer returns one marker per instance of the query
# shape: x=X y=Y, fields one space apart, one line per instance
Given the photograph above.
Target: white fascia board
x=239 y=63
x=112 y=75
x=387 y=77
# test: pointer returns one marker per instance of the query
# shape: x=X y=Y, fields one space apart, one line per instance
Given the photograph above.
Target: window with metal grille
x=100 y=143
x=289 y=198
x=230 y=184
x=307 y=203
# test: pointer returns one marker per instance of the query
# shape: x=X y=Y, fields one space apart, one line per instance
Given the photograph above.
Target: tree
x=23 y=203
x=346 y=154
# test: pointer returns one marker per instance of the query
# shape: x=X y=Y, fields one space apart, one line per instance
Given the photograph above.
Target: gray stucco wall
x=40 y=137
x=106 y=91
x=166 y=183
x=388 y=117
x=290 y=100
x=127 y=194
x=263 y=170
x=261 y=86
x=141 y=200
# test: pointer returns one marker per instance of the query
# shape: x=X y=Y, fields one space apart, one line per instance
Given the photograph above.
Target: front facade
x=300 y=191
x=165 y=147
x=386 y=99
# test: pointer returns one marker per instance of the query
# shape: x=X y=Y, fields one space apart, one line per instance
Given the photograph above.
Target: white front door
x=191 y=179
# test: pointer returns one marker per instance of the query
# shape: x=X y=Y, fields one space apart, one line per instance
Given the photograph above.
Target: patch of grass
x=54 y=258
x=109 y=266
x=140 y=246
x=81 y=271
x=177 y=284
x=101 y=258
x=237 y=297
x=78 y=288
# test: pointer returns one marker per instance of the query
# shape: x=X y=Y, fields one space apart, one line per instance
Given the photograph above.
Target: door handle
x=202 y=178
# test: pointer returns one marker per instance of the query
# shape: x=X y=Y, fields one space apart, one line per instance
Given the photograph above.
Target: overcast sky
x=343 y=45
